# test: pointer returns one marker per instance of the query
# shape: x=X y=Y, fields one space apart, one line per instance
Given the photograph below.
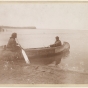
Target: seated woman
x=57 y=42
x=13 y=45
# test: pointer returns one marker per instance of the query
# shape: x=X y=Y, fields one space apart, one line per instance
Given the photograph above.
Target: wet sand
x=38 y=72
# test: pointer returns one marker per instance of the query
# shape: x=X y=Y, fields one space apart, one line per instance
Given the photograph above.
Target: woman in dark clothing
x=12 y=44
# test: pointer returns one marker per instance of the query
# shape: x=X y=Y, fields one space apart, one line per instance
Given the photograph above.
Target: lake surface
x=77 y=61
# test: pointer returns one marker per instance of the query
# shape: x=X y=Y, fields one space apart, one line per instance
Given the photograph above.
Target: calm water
x=78 y=58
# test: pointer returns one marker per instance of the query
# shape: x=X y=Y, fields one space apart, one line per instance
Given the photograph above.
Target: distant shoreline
x=9 y=27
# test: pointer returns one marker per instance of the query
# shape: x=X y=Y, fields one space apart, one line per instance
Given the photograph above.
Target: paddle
x=24 y=54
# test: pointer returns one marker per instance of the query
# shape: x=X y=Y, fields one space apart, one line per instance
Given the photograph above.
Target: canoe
x=38 y=52
x=47 y=51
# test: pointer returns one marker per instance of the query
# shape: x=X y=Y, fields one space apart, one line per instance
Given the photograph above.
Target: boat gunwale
x=42 y=48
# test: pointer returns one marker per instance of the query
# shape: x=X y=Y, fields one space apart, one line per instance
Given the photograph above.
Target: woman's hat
x=57 y=37
x=14 y=35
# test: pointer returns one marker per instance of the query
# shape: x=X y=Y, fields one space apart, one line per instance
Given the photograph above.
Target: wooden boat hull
x=47 y=51
x=38 y=52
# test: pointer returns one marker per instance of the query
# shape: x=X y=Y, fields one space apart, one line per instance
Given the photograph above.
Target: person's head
x=14 y=35
x=57 y=38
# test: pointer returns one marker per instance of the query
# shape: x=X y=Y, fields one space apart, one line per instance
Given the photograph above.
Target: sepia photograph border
x=43 y=85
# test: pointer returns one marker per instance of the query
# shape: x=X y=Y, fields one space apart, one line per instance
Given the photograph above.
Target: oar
x=24 y=54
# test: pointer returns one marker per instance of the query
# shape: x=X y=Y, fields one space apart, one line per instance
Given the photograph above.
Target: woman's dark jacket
x=12 y=45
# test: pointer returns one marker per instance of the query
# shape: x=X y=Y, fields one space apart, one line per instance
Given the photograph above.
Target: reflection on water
x=50 y=60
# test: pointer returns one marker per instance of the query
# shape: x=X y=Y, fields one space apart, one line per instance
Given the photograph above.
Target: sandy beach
x=35 y=74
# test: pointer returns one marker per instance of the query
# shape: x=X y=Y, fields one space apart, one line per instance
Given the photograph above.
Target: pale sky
x=45 y=15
